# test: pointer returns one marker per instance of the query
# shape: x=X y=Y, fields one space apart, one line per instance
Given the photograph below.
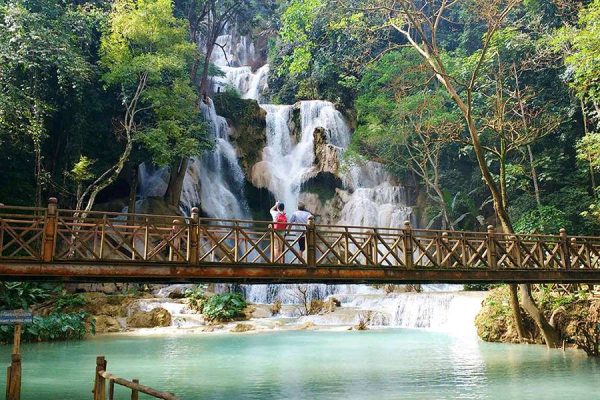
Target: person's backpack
x=281 y=222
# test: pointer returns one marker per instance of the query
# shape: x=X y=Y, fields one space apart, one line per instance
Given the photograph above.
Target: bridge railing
x=55 y=235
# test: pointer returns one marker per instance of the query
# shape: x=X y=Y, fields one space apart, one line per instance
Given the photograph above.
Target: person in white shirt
x=301 y=216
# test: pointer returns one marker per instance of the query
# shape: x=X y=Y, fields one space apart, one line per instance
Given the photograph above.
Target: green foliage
x=67 y=302
x=588 y=151
x=53 y=327
x=297 y=24
x=145 y=52
x=584 y=53
x=81 y=170
x=224 y=307
x=17 y=295
x=196 y=299
x=544 y=219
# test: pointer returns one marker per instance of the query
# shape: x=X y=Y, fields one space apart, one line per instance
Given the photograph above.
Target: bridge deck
x=52 y=244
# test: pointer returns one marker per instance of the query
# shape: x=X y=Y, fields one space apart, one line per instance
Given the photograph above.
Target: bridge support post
x=408 y=245
x=311 y=247
x=175 y=247
x=193 y=242
x=50 y=225
x=445 y=260
x=100 y=381
x=565 y=254
x=492 y=257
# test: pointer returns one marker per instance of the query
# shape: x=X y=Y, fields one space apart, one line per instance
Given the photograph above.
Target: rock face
x=107 y=324
x=238 y=328
x=149 y=319
x=327 y=156
x=248 y=127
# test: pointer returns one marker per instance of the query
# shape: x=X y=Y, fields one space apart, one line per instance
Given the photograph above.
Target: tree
x=42 y=60
x=419 y=24
x=146 y=53
x=407 y=123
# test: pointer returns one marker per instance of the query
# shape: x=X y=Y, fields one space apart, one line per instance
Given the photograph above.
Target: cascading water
x=371 y=197
x=216 y=180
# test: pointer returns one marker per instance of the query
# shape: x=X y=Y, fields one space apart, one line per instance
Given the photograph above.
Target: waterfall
x=290 y=164
x=452 y=312
x=370 y=197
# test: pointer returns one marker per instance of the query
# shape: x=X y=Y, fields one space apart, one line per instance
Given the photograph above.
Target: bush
x=224 y=307
x=196 y=299
x=53 y=327
x=15 y=295
x=69 y=302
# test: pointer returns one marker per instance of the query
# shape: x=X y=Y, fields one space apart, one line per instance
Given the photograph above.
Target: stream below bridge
x=374 y=364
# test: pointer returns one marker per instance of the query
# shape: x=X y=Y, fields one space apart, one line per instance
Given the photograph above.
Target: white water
x=452 y=312
x=371 y=199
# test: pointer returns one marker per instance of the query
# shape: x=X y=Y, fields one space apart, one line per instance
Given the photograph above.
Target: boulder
x=327 y=156
x=106 y=324
x=239 y=328
x=150 y=319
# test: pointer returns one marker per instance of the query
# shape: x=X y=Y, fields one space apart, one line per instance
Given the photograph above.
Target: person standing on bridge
x=280 y=228
x=301 y=216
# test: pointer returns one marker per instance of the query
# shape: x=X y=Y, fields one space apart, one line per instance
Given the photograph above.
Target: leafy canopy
x=145 y=49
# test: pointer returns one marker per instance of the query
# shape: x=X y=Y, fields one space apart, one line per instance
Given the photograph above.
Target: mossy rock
x=158 y=317
x=106 y=324
x=240 y=328
x=248 y=123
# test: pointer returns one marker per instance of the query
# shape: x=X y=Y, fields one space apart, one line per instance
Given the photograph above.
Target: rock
x=248 y=126
x=106 y=324
x=258 y=311
x=113 y=306
x=276 y=307
x=331 y=304
x=327 y=156
x=151 y=319
x=248 y=311
x=238 y=328
x=307 y=325
x=260 y=175
x=173 y=291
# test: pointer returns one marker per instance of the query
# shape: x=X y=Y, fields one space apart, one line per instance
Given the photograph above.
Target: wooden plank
x=261 y=273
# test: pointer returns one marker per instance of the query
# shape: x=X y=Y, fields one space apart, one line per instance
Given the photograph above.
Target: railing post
x=176 y=243
x=135 y=393
x=236 y=243
x=445 y=259
x=565 y=253
x=491 y=248
x=374 y=254
x=100 y=382
x=573 y=245
x=50 y=230
x=516 y=251
x=311 y=251
x=408 y=245
x=193 y=240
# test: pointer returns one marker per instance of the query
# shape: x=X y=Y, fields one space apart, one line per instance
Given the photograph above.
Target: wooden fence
x=102 y=376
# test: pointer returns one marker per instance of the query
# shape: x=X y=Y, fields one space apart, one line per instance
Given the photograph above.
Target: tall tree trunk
x=549 y=333
x=132 y=194
x=176 y=178
x=203 y=89
x=534 y=177
x=516 y=311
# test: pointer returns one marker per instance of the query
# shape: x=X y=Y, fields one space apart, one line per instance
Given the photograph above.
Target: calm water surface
x=377 y=364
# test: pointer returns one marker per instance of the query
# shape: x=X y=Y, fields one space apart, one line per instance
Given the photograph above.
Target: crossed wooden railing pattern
x=54 y=235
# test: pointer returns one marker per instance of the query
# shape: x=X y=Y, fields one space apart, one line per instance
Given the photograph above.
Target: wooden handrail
x=102 y=376
x=60 y=238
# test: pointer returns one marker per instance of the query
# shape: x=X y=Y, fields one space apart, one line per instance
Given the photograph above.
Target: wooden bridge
x=54 y=244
